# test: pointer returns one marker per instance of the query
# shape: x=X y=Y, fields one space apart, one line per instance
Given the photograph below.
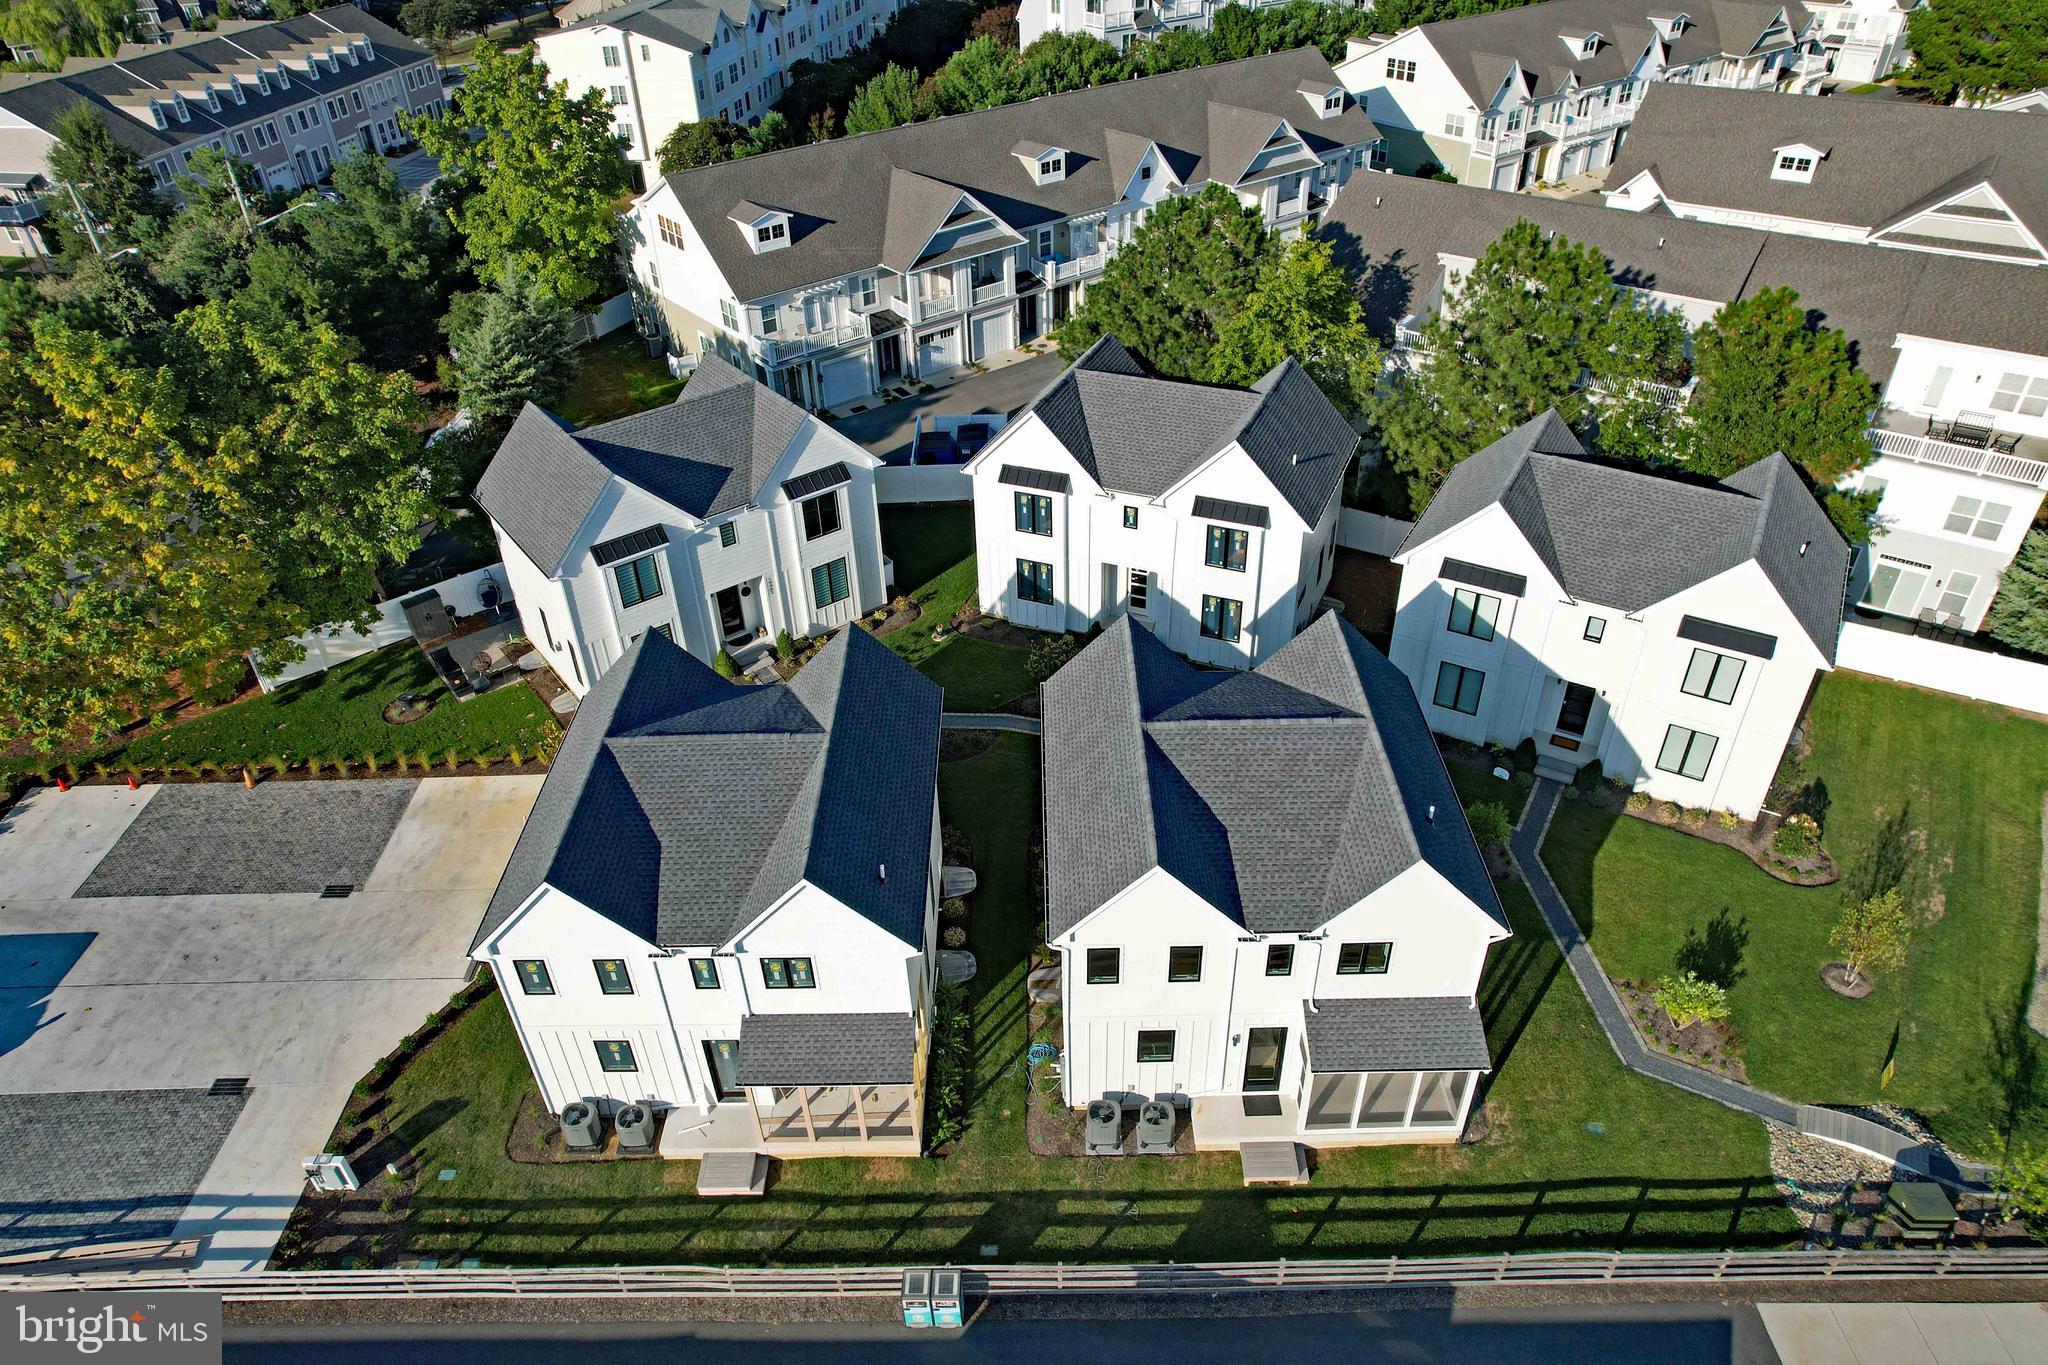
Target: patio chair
x=1928 y=618
x=2005 y=444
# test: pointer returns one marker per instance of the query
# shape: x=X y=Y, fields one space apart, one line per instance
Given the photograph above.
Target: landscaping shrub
x=1667 y=811
x=952 y=1065
x=725 y=665
x=785 y=647
x=1050 y=655
x=1798 y=837
x=1490 y=823
x=954 y=937
x=953 y=910
x=1693 y=818
x=1638 y=803
x=1588 y=779
x=1525 y=755
x=1689 y=1000
x=1727 y=819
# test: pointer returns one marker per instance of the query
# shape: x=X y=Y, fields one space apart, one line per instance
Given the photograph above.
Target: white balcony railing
x=778 y=350
x=1058 y=271
x=994 y=289
x=1902 y=445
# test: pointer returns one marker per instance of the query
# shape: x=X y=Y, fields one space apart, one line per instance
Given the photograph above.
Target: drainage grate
x=337 y=891
x=229 y=1085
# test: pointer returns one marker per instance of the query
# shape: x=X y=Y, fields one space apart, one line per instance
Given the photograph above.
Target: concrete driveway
x=1006 y=389
x=297 y=993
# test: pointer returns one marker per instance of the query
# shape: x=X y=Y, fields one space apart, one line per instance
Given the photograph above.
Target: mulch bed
x=1708 y=1044
x=996 y=631
x=535 y=1139
x=1835 y=976
x=901 y=613
x=1751 y=838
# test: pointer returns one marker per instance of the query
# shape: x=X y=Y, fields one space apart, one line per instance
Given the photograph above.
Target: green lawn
x=615 y=378
x=1664 y=1169
x=335 y=714
x=1964 y=783
x=933 y=546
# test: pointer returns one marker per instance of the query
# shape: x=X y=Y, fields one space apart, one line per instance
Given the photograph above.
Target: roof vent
x=1432 y=813
x=882 y=871
x=1804 y=545
x=1377 y=200
x=1660 y=244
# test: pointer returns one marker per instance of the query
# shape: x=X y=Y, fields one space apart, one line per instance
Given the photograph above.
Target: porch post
x=803 y=1099
x=1414 y=1093
x=1465 y=1105
x=755 y=1110
x=860 y=1110
x=1358 y=1103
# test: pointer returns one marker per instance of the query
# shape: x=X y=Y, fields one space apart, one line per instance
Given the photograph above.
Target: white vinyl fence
x=1943 y=667
x=1371 y=532
x=923 y=483
x=331 y=645
x=614 y=313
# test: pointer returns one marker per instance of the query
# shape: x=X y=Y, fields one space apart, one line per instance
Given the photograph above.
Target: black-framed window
x=729 y=535
x=821 y=514
x=1105 y=966
x=1184 y=963
x=1226 y=548
x=828 y=583
x=639 y=580
x=1713 y=675
x=1364 y=959
x=615 y=1054
x=1280 y=959
x=1457 y=688
x=704 y=973
x=1596 y=628
x=1688 y=753
x=1473 y=613
x=1155 y=1044
x=1130 y=517
x=1222 y=617
x=612 y=977
x=787 y=974
x=1034 y=514
x=1034 y=581
x=533 y=976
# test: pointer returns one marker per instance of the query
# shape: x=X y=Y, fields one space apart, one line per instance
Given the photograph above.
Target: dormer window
x=1326 y=100
x=1052 y=167
x=235 y=91
x=1333 y=102
x=1047 y=165
x=263 y=82
x=1795 y=163
x=771 y=234
x=766 y=229
x=184 y=112
x=156 y=115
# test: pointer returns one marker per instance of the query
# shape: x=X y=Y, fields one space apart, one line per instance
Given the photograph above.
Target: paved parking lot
x=299 y=994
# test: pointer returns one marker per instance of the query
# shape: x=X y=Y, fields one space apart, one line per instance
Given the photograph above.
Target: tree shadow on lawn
x=1713 y=952
x=1110 y=1224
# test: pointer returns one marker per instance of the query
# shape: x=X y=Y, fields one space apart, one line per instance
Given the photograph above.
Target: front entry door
x=731 y=620
x=722 y=1058
x=1265 y=1053
x=1572 y=715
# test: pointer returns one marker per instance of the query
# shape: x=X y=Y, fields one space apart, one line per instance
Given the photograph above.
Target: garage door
x=938 y=350
x=843 y=380
x=994 y=333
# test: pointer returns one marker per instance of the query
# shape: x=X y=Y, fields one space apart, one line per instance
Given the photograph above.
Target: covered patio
x=1396 y=1069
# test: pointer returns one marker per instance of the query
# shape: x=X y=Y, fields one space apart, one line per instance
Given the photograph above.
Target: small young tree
x=1490 y=824
x=1689 y=999
x=2019 y=614
x=1872 y=934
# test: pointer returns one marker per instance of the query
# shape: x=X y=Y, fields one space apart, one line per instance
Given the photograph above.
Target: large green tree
x=58 y=29
x=513 y=344
x=1976 y=48
x=887 y=101
x=1303 y=306
x=1169 y=292
x=203 y=252
x=536 y=176
x=110 y=183
x=2019 y=614
x=1538 y=322
x=704 y=142
x=440 y=21
x=981 y=75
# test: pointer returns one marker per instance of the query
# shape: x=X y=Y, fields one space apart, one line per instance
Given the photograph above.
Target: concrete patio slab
x=1907 y=1333
x=51 y=841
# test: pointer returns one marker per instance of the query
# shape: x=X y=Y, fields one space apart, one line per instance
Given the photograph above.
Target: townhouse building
x=1864 y=40
x=1541 y=92
x=760 y=971
x=837 y=269
x=666 y=62
x=290 y=97
x=1268 y=908
x=1958 y=348
x=1115 y=21
x=1891 y=173
x=1207 y=514
x=717 y=522
x=1666 y=629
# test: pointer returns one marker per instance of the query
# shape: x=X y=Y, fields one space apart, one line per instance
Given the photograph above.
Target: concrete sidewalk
x=1907 y=1333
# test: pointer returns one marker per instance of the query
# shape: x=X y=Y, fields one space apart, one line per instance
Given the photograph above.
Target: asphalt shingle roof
x=1137 y=434
x=1390 y=230
x=687 y=24
x=681 y=805
x=828 y=1049
x=1282 y=796
x=1628 y=539
x=1884 y=159
x=1479 y=49
x=1399 y=1033
x=707 y=453
x=844 y=195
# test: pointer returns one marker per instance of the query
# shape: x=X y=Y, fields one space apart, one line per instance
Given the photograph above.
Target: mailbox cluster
x=931 y=1298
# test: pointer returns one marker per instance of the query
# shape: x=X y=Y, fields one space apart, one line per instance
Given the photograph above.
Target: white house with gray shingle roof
x=1206 y=513
x=724 y=904
x=1892 y=173
x=1540 y=92
x=719 y=520
x=1669 y=630
x=1267 y=904
x=841 y=268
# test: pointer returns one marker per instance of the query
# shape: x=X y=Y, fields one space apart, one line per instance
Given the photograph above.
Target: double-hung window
x=2018 y=393
x=1473 y=613
x=787 y=974
x=639 y=580
x=821 y=514
x=1712 y=675
x=1034 y=581
x=1034 y=514
x=1686 y=752
x=828 y=583
x=1222 y=617
x=1280 y=959
x=1226 y=549
x=1976 y=518
x=1364 y=959
x=1458 y=687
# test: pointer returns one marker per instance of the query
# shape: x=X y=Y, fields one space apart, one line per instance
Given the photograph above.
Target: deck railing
x=1903 y=445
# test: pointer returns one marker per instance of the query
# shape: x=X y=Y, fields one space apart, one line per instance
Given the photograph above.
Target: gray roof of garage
x=1397 y=1033
x=828 y=1049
